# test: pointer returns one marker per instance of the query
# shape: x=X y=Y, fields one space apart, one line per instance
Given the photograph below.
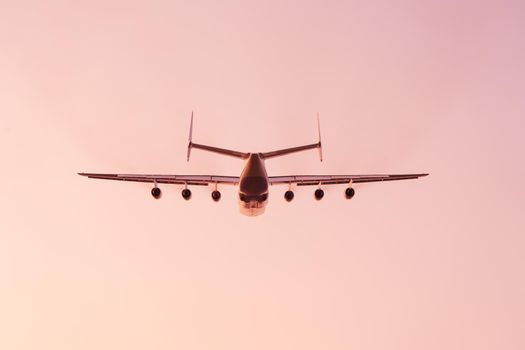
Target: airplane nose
x=252 y=208
x=253 y=204
x=247 y=198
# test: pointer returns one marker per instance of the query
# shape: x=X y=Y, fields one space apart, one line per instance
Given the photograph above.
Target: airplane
x=254 y=181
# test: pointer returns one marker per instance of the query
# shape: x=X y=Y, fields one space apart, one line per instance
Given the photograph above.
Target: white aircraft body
x=253 y=181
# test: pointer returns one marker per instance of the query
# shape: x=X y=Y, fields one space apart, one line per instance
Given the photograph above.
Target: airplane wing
x=306 y=180
x=200 y=180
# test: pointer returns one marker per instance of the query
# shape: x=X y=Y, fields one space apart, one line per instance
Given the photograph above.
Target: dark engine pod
x=349 y=192
x=186 y=193
x=216 y=195
x=319 y=194
x=156 y=192
x=288 y=195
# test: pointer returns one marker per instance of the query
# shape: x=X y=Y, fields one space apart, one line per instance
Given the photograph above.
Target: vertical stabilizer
x=319 y=133
x=190 y=144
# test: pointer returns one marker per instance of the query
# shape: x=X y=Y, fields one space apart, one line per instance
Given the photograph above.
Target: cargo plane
x=254 y=181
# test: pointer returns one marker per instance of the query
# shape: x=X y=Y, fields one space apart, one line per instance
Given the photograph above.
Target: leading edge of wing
x=305 y=180
x=201 y=180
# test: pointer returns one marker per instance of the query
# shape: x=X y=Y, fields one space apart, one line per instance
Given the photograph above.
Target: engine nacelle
x=216 y=195
x=156 y=192
x=349 y=192
x=319 y=194
x=288 y=195
x=186 y=193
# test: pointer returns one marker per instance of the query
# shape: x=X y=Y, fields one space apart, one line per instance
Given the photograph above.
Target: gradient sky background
x=407 y=86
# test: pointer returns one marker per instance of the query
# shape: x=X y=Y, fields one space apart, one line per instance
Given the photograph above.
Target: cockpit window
x=259 y=198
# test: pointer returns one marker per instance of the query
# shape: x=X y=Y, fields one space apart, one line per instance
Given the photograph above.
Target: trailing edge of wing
x=306 y=180
x=201 y=180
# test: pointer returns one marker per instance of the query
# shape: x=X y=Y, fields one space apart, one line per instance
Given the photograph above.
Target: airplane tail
x=190 y=144
x=319 y=133
x=223 y=151
x=285 y=151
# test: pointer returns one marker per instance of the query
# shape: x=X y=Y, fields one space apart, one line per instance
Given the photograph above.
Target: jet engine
x=319 y=194
x=156 y=192
x=186 y=193
x=349 y=192
x=288 y=195
x=216 y=195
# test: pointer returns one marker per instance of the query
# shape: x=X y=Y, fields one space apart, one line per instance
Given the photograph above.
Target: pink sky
x=412 y=86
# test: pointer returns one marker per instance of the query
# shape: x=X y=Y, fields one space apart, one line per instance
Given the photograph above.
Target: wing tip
x=98 y=176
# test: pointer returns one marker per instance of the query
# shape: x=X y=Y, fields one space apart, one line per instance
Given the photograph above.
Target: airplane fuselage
x=253 y=186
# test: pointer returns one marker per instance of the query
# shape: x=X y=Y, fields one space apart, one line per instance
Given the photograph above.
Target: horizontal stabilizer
x=223 y=151
x=285 y=151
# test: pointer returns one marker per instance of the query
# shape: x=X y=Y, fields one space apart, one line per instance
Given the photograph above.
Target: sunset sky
x=401 y=86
